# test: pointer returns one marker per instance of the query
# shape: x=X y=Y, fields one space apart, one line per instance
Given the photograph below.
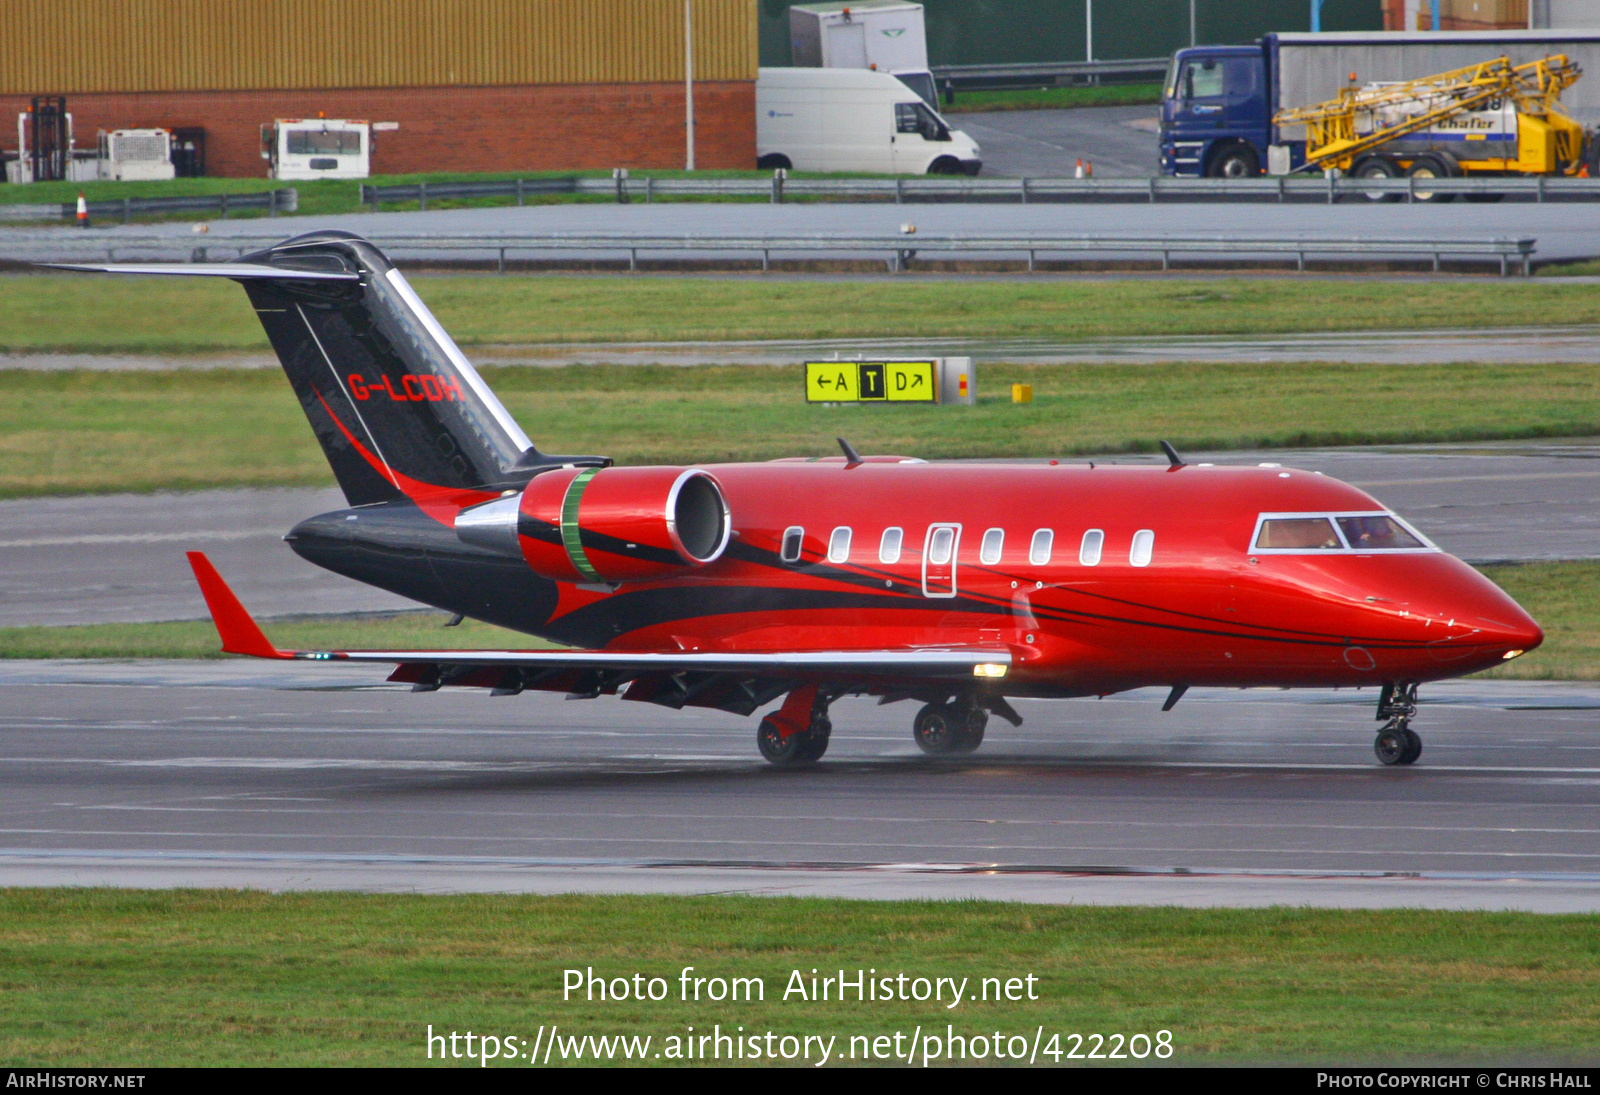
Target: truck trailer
x=1219 y=102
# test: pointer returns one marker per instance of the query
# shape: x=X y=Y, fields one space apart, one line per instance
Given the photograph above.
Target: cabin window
x=1039 y=550
x=994 y=542
x=1298 y=534
x=944 y=539
x=1376 y=534
x=793 y=537
x=839 y=545
x=1144 y=543
x=1094 y=542
x=889 y=545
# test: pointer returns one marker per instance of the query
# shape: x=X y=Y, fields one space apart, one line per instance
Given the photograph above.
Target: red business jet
x=735 y=586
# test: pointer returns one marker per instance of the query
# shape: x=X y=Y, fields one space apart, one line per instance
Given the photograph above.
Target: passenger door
x=939 y=550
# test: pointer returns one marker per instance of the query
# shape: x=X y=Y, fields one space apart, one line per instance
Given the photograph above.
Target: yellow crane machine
x=1493 y=118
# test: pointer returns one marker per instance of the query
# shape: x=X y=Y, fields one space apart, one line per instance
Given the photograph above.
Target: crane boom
x=1335 y=135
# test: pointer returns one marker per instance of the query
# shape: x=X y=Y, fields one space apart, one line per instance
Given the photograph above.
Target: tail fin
x=398 y=409
x=394 y=403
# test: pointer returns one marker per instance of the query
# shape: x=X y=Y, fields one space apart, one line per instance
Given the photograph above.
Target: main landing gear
x=797 y=733
x=1397 y=743
x=948 y=729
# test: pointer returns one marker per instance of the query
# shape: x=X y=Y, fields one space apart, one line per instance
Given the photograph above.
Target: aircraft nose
x=1473 y=601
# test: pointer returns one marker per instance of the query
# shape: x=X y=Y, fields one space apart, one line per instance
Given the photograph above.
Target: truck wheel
x=1430 y=167
x=1377 y=167
x=1237 y=161
x=772 y=161
x=945 y=165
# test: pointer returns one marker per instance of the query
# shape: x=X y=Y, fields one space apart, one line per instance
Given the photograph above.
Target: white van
x=854 y=120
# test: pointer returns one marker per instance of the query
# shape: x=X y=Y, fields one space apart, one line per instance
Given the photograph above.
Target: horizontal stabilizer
x=241 y=635
x=209 y=269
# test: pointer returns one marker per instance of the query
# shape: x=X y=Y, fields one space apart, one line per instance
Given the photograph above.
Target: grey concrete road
x=1116 y=140
x=1537 y=345
x=1564 y=231
x=317 y=776
x=120 y=557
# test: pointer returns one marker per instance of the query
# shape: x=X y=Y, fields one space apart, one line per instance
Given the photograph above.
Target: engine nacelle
x=606 y=525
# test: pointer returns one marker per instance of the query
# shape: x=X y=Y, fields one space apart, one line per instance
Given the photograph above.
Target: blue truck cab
x=1216 y=113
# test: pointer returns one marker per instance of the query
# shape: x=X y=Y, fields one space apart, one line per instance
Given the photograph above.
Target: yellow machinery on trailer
x=1493 y=118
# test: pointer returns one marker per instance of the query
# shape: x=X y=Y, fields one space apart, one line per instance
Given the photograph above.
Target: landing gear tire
x=972 y=733
x=937 y=730
x=1398 y=745
x=948 y=729
x=802 y=747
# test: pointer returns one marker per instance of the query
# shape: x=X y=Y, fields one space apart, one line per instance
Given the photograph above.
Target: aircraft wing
x=594 y=671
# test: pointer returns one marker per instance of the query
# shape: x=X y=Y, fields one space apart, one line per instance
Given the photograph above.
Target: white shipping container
x=881 y=35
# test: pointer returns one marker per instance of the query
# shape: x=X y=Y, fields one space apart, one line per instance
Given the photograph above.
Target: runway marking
x=1509 y=478
x=786 y=841
x=843 y=819
x=138 y=538
x=928 y=867
x=310 y=763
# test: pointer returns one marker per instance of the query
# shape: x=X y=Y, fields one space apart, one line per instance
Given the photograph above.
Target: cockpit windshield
x=1377 y=534
x=1349 y=533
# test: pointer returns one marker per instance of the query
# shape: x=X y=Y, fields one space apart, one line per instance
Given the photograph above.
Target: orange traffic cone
x=1077 y=172
x=83 y=211
x=1088 y=170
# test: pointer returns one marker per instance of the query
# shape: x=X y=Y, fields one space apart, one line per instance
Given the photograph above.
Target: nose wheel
x=1397 y=743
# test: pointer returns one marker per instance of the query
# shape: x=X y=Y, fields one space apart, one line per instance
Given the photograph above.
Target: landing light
x=990 y=669
x=1509 y=654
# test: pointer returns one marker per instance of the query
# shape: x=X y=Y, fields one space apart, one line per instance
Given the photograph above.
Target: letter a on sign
x=832 y=382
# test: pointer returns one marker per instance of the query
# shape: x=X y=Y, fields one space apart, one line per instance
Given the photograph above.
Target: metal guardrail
x=899 y=250
x=1031 y=73
x=938 y=188
x=285 y=200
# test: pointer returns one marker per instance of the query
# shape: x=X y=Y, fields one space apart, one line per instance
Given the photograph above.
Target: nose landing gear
x=1397 y=743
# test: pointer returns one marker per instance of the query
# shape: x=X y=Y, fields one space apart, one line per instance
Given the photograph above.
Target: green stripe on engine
x=569 y=524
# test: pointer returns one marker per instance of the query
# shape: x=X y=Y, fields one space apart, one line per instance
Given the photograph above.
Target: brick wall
x=551 y=127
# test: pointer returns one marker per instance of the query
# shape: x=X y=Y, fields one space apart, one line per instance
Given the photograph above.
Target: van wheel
x=772 y=161
x=945 y=165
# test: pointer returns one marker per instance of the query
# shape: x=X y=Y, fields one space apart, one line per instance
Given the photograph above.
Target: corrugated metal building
x=474 y=85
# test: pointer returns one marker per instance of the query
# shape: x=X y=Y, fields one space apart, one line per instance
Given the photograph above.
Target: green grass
x=152 y=978
x=87 y=432
x=1565 y=599
x=198 y=638
x=1587 y=268
x=1561 y=596
x=1053 y=98
x=47 y=312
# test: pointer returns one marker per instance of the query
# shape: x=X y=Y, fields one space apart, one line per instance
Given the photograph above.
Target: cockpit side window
x=1298 y=533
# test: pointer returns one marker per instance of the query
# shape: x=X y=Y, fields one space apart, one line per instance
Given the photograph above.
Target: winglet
x=240 y=634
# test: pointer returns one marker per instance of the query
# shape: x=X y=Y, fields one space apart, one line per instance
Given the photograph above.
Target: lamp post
x=688 y=84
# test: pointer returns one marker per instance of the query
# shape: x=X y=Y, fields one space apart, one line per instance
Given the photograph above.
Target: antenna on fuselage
x=1174 y=696
x=1172 y=455
x=851 y=457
